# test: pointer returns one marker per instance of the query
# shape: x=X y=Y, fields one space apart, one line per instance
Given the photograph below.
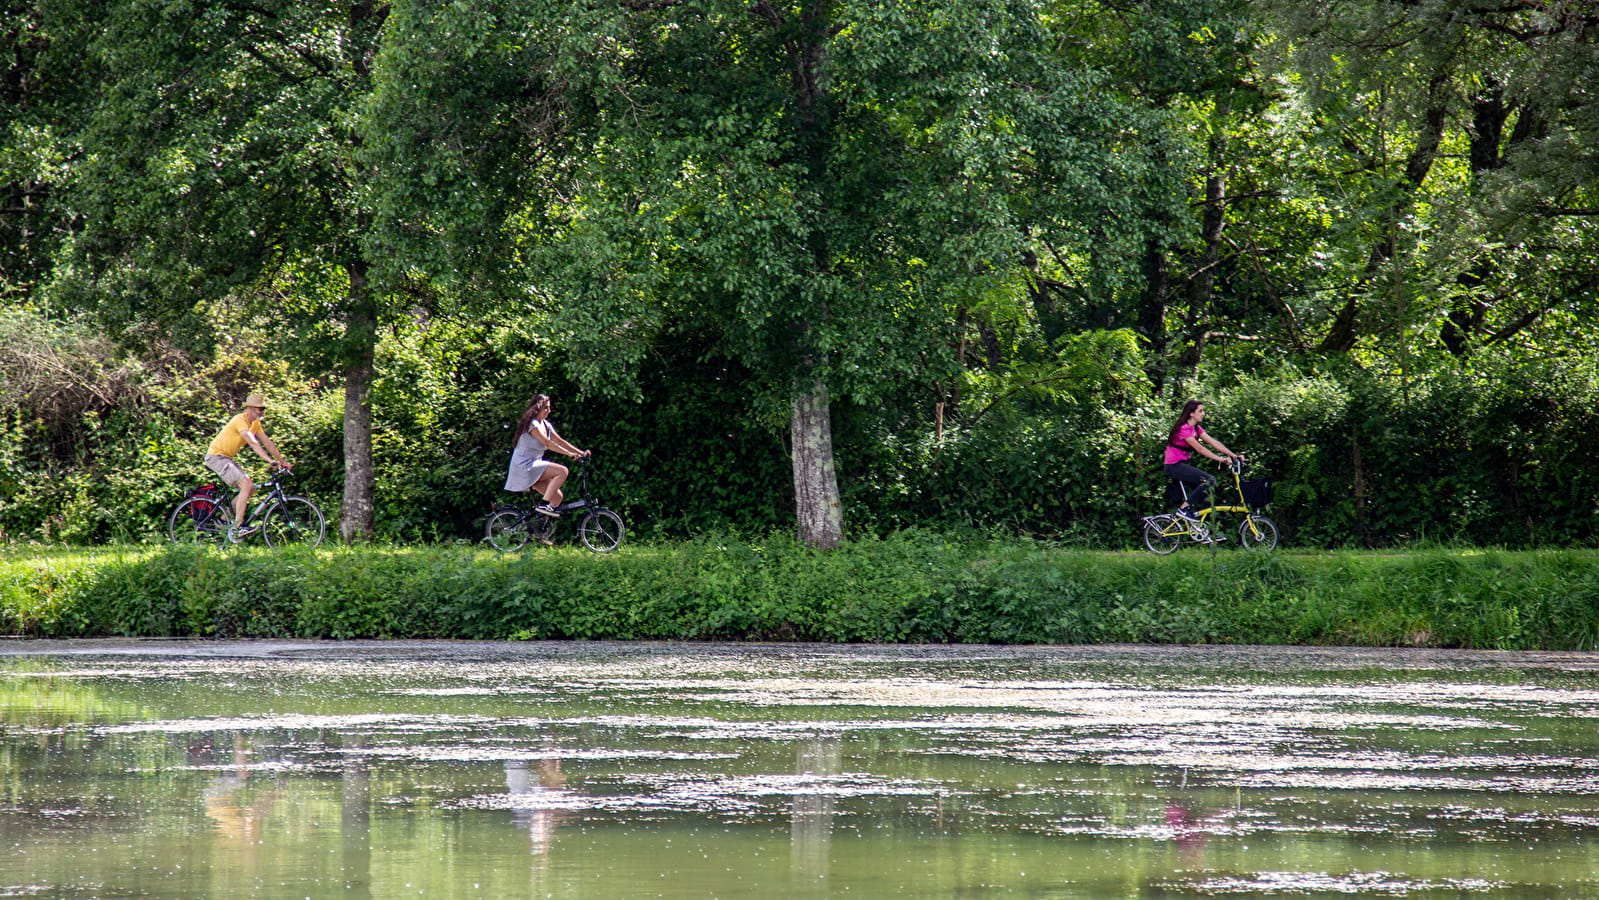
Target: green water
x=282 y=770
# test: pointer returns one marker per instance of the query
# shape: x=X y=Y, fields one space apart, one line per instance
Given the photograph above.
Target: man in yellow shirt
x=244 y=428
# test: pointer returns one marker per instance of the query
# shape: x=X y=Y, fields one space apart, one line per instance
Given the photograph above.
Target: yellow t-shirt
x=231 y=440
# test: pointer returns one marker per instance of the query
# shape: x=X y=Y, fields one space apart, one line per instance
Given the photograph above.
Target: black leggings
x=1199 y=482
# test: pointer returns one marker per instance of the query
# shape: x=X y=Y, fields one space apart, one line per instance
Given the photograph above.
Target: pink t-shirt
x=1175 y=455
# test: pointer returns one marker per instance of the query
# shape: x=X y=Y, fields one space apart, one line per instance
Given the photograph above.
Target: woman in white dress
x=529 y=469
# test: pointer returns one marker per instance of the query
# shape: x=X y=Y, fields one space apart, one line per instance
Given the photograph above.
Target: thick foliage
x=909 y=587
x=97 y=446
x=1067 y=452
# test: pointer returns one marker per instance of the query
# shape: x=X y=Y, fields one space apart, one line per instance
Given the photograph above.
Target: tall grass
x=910 y=587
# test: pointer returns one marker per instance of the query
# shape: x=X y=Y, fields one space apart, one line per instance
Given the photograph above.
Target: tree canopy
x=874 y=229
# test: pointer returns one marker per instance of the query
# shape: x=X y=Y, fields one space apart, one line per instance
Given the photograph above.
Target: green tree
x=1458 y=142
x=219 y=167
x=1153 y=257
x=819 y=185
x=44 y=88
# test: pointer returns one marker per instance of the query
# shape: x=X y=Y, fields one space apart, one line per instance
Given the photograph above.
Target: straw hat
x=255 y=400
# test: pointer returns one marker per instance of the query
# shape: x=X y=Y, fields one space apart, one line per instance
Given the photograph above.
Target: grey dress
x=527 y=460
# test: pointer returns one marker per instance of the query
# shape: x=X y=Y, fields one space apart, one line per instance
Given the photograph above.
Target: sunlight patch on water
x=239 y=768
x=739 y=796
x=495 y=754
x=1309 y=884
x=808 y=785
x=1402 y=781
x=364 y=721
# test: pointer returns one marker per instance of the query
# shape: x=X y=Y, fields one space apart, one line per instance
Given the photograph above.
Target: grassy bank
x=916 y=588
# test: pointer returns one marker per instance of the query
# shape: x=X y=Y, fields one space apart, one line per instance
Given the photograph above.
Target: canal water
x=170 y=769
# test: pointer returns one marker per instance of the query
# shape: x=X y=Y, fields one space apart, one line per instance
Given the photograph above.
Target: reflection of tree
x=30 y=697
x=812 y=830
x=355 y=819
x=535 y=783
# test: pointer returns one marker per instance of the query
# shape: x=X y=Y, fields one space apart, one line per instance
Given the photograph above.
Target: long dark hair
x=1171 y=436
x=540 y=401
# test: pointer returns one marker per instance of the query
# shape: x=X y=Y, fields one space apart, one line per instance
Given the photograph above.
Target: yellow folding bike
x=1167 y=531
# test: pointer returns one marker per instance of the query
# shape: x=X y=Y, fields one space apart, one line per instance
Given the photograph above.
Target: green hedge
x=910 y=587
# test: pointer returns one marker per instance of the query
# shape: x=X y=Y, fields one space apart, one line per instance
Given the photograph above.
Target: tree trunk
x=816 y=501
x=1344 y=333
x=356 y=512
x=1152 y=313
x=817 y=507
x=1201 y=286
x=1358 y=464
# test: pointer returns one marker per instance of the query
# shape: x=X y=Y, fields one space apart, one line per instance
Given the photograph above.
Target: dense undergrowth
x=1497 y=456
x=904 y=588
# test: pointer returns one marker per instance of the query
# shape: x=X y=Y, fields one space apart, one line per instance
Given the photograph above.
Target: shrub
x=904 y=587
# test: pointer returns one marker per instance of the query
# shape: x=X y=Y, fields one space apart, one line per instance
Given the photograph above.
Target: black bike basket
x=204 y=498
x=1257 y=492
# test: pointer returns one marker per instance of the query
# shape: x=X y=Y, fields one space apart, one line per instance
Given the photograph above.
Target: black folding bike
x=513 y=522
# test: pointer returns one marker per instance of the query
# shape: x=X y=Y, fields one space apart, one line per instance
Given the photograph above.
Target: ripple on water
x=463 y=753
x=352 y=722
x=711 y=793
x=1309 y=884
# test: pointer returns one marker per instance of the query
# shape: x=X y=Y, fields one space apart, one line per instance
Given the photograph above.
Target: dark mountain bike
x=513 y=522
x=206 y=515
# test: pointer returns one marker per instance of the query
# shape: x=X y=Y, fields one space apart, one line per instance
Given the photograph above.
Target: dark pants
x=1199 y=483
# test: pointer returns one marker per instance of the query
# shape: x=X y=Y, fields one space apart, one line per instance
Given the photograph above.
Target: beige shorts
x=227 y=467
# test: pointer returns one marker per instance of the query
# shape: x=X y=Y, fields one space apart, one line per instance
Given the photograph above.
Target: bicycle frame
x=270 y=492
x=1162 y=533
x=512 y=522
x=583 y=501
x=1238 y=491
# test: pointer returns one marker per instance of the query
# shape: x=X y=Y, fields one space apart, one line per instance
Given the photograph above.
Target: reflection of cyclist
x=529 y=469
x=230 y=804
x=537 y=802
x=1185 y=439
x=244 y=428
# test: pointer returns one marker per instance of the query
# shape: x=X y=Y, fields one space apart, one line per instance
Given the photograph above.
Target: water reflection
x=269 y=770
x=238 y=811
x=538 y=793
x=355 y=819
x=812 y=829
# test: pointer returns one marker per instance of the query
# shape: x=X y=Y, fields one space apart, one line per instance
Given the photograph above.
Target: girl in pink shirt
x=1185 y=439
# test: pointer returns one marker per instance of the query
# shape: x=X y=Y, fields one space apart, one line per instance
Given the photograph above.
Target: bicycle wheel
x=294 y=521
x=507 y=530
x=1162 y=534
x=601 y=530
x=1257 y=533
x=199 y=521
